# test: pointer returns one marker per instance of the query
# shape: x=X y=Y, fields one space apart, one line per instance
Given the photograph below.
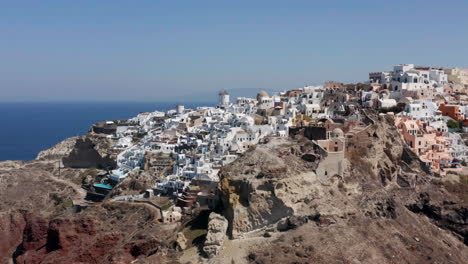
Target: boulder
x=181 y=241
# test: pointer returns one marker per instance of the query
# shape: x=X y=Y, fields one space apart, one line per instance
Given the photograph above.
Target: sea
x=26 y=128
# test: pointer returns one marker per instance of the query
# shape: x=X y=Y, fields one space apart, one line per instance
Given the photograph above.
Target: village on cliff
x=185 y=148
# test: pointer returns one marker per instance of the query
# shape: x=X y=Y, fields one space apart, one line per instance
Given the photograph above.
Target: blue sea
x=26 y=128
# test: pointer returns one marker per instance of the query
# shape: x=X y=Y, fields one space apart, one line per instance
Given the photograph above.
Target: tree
x=454 y=124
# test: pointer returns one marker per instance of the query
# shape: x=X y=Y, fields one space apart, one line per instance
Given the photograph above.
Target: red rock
x=11 y=234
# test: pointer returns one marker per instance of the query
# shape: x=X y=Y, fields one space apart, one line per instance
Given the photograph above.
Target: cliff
x=385 y=208
x=267 y=184
x=89 y=151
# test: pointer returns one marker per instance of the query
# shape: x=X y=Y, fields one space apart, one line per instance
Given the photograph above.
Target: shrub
x=454 y=124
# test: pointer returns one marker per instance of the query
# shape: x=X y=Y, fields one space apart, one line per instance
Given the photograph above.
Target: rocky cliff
x=85 y=154
x=89 y=151
x=267 y=184
x=386 y=208
x=59 y=151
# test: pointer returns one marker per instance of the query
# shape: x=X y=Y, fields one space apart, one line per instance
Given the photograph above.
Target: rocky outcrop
x=181 y=241
x=91 y=237
x=89 y=151
x=11 y=226
x=217 y=226
x=446 y=214
x=267 y=184
x=70 y=240
x=59 y=151
x=85 y=155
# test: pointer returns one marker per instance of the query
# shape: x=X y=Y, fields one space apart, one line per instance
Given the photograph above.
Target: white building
x=408 y=80
x=223 y=99
x=421 y=110
x=380 y=77
x=180 y=109
x=457 y=147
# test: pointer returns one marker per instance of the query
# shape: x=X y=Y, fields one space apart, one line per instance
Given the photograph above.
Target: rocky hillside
x=386 y=208
x=41 y=222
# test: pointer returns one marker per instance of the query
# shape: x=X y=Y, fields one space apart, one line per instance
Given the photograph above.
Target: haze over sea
x=26 y=128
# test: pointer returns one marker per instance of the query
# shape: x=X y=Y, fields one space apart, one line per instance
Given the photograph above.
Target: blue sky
x=68 y=50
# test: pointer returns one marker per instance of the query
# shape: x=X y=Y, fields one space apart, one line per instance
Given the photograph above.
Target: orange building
x=452 y=111
x=293 y=93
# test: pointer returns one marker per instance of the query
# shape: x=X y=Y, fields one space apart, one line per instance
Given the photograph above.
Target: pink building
x=429 y=144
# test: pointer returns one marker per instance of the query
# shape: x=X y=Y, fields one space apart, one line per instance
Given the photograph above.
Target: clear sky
x=154 y=50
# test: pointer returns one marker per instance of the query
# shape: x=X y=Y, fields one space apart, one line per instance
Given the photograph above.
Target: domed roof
x=262 y=93
x=337 y=132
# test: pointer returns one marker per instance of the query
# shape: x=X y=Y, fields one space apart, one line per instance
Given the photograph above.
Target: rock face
x=78 y=240
x=446 y=214
x=89 y=151
x=85 y=155
x=63 y=239
x=58 y=151
x=181 y=241
x=267 y=184
x=11 y=225
x=82 y=238
x=217 y=226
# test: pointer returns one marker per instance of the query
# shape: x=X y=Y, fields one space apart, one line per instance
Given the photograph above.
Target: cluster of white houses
x=200 y=141
x=188 y=145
